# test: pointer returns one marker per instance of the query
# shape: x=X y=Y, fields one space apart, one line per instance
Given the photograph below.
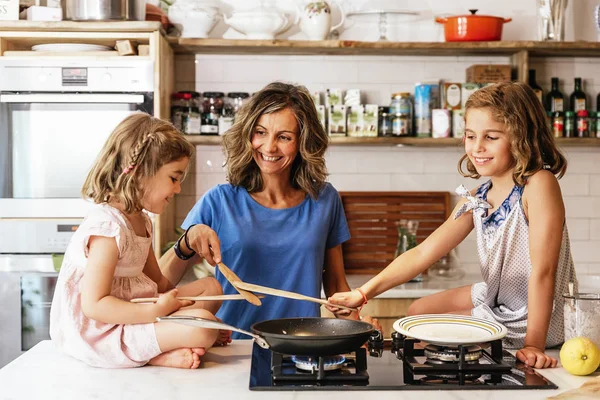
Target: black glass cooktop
x=404 y=366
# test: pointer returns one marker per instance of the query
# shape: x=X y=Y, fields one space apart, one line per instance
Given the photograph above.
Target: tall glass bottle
x=578 y=99
x=555 y=99
x=536 y=88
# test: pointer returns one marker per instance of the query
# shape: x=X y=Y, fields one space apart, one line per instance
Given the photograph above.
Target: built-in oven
x=55 y=115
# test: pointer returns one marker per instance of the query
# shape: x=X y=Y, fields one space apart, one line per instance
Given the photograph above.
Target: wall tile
x=579 y=228
x=595 y=229
x=574 y=184
x=585 y=252
x=361 y=182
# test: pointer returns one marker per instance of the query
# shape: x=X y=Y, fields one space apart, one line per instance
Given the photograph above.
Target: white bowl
x=193 y=23
x=259 y=24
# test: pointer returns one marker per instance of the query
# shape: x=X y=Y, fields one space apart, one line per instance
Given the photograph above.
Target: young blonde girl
x=519 y=218
x=110 y=259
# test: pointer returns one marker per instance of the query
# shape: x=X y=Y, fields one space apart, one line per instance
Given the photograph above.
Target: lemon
x=580 y=356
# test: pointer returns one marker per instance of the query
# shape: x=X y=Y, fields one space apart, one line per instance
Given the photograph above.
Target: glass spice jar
x=583 y=124
x=190 y=113
x=385 y=123
x=212 y=107
x=558 y=124
x=570 y=129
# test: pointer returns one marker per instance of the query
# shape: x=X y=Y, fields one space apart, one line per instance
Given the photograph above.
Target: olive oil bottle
x=554 y=99
x=535 y=87
x=578 y=99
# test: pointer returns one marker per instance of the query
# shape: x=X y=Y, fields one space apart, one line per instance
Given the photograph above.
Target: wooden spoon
x=194 y=298
x=283 y=293
x=234 y=280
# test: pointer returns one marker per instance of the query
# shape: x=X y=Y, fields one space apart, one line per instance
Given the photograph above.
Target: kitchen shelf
x=401 y=141
x=347 y=47
x=75 y=26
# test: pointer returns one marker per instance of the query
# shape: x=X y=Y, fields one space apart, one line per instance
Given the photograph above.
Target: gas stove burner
x=441 y=355
x=311 y=364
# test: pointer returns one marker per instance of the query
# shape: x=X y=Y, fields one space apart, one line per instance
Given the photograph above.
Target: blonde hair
x=532 y=144
x=142 y=144
x=308 y=170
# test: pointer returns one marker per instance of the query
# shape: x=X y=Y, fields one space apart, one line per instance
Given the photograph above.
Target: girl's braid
x=140 y=150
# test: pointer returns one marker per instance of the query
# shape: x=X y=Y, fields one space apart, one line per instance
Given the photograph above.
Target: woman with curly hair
x=277 y=223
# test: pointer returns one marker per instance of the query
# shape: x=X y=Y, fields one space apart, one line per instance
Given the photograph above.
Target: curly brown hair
x=141 y=143
x=532 y=144
x=308 y=170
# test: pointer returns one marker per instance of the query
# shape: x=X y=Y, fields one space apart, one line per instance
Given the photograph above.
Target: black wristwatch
x=177 y=249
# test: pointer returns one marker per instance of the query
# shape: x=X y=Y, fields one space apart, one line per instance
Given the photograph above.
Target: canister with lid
x=385 y=122
x=558 y=124
x=212 y=107
x=231 y=106
x=190 y=114
x=583 y=124
x=570 y=130
x=401 y=112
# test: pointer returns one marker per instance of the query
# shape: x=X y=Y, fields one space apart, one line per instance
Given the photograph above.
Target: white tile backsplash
x=409 y=168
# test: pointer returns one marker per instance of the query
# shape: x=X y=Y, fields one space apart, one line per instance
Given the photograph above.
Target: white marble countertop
x=415 y=290
x=45 y=373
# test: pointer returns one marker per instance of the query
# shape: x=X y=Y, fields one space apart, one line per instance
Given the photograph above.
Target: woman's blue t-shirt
x=280 y=248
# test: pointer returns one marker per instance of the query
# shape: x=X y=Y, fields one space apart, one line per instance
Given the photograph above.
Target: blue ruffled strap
x=473 y=203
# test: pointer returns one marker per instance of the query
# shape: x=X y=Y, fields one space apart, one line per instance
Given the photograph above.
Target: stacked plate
x=69 y=47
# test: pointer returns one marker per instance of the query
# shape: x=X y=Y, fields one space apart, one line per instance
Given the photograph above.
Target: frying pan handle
x=210 y=324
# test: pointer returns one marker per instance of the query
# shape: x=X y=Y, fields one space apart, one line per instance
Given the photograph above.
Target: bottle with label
x=578 y=99
x=537 y=89
x=554 y=99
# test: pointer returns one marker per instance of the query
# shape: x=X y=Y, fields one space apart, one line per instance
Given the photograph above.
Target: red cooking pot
x=472 y=28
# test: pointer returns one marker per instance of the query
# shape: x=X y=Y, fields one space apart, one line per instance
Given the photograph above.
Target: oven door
x=49 y=141
x=27 y=285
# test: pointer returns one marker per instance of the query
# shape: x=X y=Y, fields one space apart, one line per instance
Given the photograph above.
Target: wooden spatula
x=283 y=293
x=194 y=298
x=234 y=279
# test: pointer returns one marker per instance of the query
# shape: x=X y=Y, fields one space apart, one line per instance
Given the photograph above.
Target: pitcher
x=407 y=239
x=315 y=19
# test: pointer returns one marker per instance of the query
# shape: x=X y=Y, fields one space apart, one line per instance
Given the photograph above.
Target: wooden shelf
x=400 y=141
x=346 y=47
x=76 y=26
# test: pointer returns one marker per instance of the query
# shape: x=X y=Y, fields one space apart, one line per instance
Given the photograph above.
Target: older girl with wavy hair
x=519 y=217
x=277 y=223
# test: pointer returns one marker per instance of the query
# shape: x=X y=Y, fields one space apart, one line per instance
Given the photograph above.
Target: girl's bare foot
x=179 y=358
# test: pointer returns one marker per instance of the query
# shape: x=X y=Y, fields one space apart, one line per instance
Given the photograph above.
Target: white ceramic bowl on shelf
x=194 y=18
x=259 y=24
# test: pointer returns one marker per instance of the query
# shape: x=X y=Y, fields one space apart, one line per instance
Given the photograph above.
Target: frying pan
x=296 y=336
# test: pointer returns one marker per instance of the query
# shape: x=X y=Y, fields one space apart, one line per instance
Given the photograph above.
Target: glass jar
x=178 y=106
x=190 y=113
x=583 y=124
x=401 y=111
x=569 y=124
x=595 y=127
x=212 y=107
x=558 y=124
x=385 y=123
x=581 y=316
x=232 y=105
x=407 y=239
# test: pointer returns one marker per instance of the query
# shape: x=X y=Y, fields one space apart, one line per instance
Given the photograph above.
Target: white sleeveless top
x=503 y=249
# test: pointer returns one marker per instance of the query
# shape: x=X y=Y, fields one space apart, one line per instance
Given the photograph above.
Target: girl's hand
x=205 y=242
x=534 y=357
x=348 y=299
x=167 y=303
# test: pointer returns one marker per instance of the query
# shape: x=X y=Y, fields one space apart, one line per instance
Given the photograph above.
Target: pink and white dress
x=93 y=342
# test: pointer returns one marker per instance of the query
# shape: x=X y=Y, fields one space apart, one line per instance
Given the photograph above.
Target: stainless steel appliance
x=105 y=10
x=397 y=364
x=55 y=115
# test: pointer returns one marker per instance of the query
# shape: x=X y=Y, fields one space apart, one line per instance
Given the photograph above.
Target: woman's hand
x=348 y=299
x=205 y=242
x=536 y=358
x=168 y=303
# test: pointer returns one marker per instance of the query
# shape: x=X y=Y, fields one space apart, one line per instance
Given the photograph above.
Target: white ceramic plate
x=449 y=329
x=69 y=47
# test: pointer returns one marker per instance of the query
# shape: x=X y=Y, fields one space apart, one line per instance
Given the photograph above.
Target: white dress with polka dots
x=503 y=249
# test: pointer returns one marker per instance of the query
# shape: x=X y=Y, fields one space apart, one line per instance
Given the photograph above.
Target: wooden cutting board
x=372 y=218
